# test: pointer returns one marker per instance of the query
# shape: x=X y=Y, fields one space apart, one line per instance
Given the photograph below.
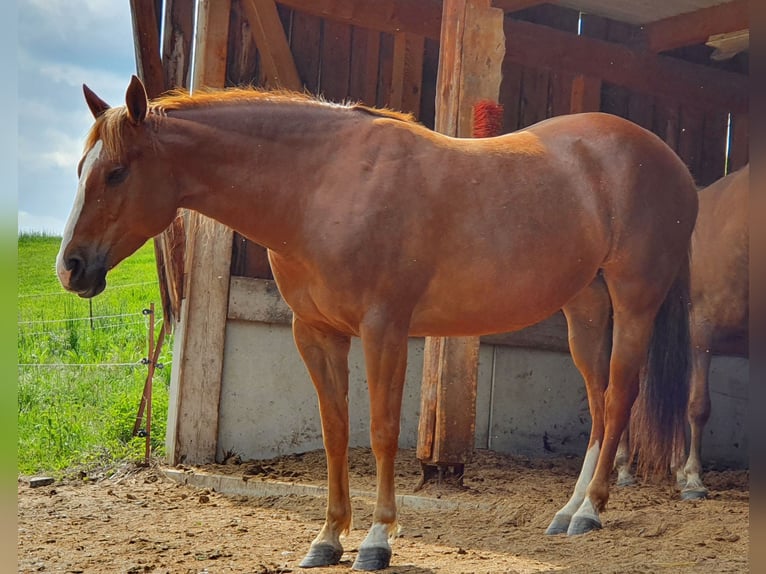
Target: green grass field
x=79 y=375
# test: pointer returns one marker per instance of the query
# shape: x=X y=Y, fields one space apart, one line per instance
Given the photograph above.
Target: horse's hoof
x=694 y=493
x=626 y=481
x=583 y=524
x=321 y=555
x=559 y=525
x=372 y=558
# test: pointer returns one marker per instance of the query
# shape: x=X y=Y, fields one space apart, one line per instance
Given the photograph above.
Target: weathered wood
x=276 y=59
x=690 y=138
x=739 y=149
x=544 y=47
x=696 y=27
x=177 y=39
x=585 y=94
x=211 y=44
x=407 y=72
x=365 y=59
x=336 y=61
x=385 y=70
x=305 y=42
x=470 y=61
x=713 y=164
x=244 y=68
x=146 y=40
x=420 y=17
x=198 y=353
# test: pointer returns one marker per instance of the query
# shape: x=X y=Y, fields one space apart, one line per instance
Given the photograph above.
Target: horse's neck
x=248 y=169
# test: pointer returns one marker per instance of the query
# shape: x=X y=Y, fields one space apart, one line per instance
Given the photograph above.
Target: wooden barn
x=676 y=67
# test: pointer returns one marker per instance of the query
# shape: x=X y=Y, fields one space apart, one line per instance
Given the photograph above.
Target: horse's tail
x=658 y=419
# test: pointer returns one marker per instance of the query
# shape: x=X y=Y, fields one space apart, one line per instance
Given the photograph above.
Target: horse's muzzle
x=83 y=278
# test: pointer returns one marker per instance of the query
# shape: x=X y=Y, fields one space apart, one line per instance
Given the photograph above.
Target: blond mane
x=108 y=127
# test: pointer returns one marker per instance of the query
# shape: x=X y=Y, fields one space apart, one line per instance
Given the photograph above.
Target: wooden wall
x=341 y=62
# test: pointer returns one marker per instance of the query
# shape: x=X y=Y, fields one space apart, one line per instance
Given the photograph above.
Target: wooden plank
x=243 y=67
x=407 y=74
x=177 y=39
x=739 y=148
x=212 y=42
x=713 y=162
x=385 y=70
x=335 y=61
x=470 y=62
x=305 y=44
x=198 y=354
x=276 y=59
x=510 y=94
x=146 y=40
x=428 y=87
x=696 y=27
x=365 y=58
x=534 y=96
x=690 y=139
x=585 y=95
x=543 y=47
x=420 y=17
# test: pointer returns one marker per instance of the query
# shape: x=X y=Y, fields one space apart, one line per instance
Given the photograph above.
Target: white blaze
x=79 y=199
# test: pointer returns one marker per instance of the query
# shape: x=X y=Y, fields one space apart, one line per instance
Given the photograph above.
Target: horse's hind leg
x=635 y=307
x=326 y=358
x=698 y=415
x=588 y=319
x=622 y=461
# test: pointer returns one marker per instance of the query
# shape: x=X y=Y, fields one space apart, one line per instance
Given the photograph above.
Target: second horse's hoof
x=559 y=525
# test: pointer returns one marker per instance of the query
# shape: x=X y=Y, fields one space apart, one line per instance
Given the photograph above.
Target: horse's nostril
x=75 y=265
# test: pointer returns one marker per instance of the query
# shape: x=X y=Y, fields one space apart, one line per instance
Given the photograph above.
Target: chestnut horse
x=720 y=309
x=381 y=229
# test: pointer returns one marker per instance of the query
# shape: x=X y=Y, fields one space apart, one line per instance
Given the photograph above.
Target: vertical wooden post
x=470 y=60
x=192 y=433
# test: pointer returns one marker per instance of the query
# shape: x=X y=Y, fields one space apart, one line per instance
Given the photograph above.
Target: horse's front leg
x=385 y=353
x=326 y=357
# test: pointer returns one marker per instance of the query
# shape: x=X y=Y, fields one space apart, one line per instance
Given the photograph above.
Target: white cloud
x=40 y=223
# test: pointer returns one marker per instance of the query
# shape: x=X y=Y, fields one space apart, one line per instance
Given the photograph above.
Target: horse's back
x=720 y=258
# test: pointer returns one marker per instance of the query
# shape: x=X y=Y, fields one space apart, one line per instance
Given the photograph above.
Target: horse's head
x=120 y=201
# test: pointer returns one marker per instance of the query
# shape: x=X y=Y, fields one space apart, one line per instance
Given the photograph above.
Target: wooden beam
x=470 y=61
x=211 y=44
x=270 y=38
x=586 y=94
x=177 y=41
x=539 y=46
x=696 y=27
x=419 y=17
x=198 y=352
x=146 y=41
x=407 y=73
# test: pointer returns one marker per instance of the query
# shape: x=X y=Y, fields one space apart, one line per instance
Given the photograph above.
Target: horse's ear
x=136 y=101
x=97 y=105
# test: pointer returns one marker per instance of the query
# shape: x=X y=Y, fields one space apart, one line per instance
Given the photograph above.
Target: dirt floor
x=138 y=520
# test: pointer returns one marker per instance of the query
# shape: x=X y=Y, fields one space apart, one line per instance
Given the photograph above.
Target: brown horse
x=381 y=229
x=720 y=309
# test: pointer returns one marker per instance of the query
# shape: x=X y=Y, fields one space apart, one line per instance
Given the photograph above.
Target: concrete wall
x=529 y=402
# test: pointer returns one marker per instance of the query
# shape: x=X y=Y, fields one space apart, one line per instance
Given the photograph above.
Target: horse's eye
x=117 y=175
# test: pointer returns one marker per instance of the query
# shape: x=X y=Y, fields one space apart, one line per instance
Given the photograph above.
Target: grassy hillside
x=79 y=376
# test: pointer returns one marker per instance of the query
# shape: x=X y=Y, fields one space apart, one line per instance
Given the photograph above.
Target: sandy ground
x=138 y=520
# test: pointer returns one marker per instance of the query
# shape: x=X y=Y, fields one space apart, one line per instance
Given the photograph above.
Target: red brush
x=487 y=119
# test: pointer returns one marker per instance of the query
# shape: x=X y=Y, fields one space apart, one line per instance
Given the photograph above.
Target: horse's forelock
x=108 y=129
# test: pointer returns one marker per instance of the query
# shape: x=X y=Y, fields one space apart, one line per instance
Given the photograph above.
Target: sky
x=63 y=44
